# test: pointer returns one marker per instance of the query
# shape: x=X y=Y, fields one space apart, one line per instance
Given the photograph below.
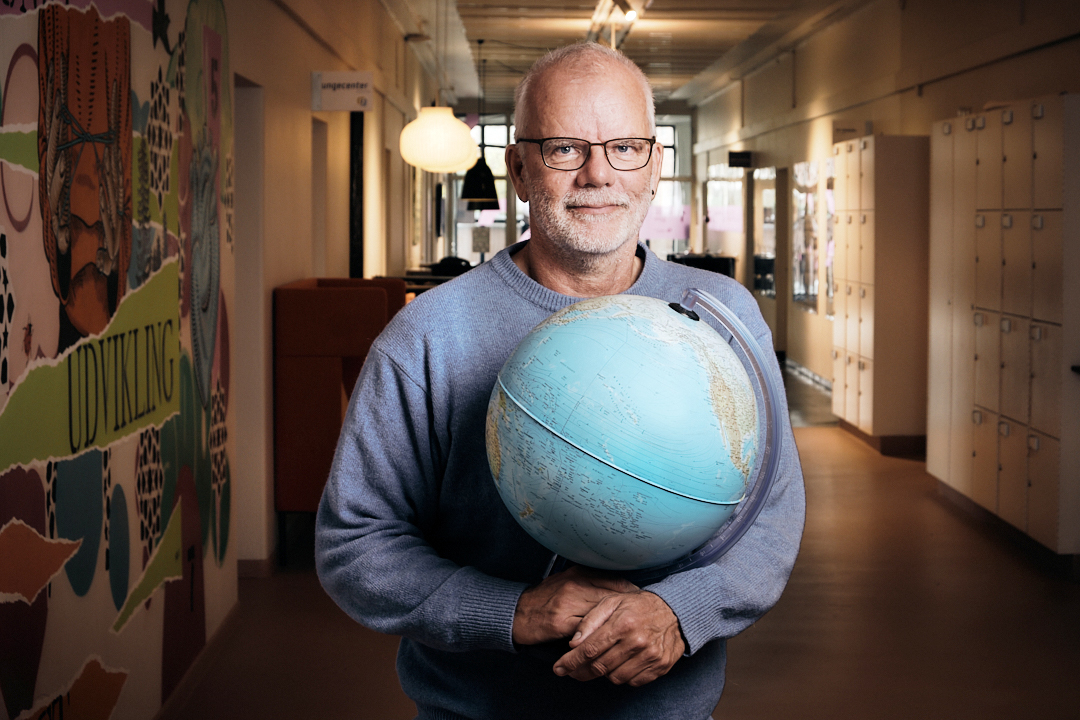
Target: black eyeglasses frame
x=540 y=143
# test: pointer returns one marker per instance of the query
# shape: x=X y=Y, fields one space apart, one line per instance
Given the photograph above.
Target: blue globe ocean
x=622 y=434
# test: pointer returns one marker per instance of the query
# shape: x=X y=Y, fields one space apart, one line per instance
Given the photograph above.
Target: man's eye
x=565 y=149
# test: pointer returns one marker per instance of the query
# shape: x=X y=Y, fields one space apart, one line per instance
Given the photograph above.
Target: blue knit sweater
x=413 y=539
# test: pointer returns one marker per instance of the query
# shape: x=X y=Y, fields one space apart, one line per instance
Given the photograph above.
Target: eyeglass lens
x=571 y=154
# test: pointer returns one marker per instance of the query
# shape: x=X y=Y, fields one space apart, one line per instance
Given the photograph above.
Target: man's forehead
x=607 y=98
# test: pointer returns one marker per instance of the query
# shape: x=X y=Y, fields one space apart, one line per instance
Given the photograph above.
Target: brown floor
x=902 y=605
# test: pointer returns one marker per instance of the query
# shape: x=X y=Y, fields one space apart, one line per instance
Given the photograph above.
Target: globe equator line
x=599 y=459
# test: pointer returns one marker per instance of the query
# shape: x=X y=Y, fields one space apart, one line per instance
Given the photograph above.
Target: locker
x=852 y=233
x=939 y=367
x=1015 y=368
x=1043 y=493
x=839 y=247
x=866 y=322
x=988 y=260
x=984 y=466
x=1047 y=141
x=839 y=380
x=851 y=162
x=840 y=181
x=851 y=391
x=866 y=175
x=1046 y=372
x=1012 y=473
x=987 y=359
x=839 y=327
x=1016 y=151
x=866 y=395
x=866 y=246
x=1016 y=263
x=988 y=161
x=1047 y=265
x=852 y=291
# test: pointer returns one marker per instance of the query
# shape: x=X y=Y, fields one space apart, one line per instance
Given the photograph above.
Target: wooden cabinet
x=1005 y=314
x=879 y=331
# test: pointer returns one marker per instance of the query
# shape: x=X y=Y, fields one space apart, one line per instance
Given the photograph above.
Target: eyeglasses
x=571 y=153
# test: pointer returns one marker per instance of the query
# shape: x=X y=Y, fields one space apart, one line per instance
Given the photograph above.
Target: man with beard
x=412 y=537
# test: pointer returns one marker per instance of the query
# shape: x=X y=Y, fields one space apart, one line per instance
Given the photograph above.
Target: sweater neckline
x=548 y=299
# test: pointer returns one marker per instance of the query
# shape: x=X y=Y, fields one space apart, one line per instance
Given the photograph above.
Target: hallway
x=902 y=605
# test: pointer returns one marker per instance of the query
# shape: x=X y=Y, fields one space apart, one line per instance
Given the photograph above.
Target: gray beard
x=584 y=239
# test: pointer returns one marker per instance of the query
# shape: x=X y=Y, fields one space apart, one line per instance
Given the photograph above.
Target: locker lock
x=980 y=221
x=978 y=319
x=863 y=219
x=848 y=289
x=969 y=124
x=1037 y=111
x=946 y=129
x=980 y=122
x=1033 y=442
x=863 y=144
x=862 y=365
x=976 y=417
x=849 y=219
x=1037 y=222
x=1006 y=325
x=1036 y=332
x=1006 y=117
x=1006 y=221
x=862 y=292
x=1003 y=429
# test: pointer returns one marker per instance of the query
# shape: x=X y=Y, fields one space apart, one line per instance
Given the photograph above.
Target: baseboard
x=904 y=446
x=255 y=568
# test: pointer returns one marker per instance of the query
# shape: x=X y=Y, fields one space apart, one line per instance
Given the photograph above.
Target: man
x=412 y=536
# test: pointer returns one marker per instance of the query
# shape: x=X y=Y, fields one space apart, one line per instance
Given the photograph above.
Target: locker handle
x=1006 y=325
x=980 y=122
x=863 y=219
x=848 y=359
x=848 y=289
x=1037 y=222
x=1003 y=429
x=1006 y=221
x=1033 y=442
x=946 y=129
x=862 y=292
x=1036 y=333
x=1037 y=111
x=978 y=319
x=1006 y=117
x=976 y=417
x=980 y=221
x=862 y=365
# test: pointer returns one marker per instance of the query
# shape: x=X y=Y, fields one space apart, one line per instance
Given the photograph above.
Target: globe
x=622 y=433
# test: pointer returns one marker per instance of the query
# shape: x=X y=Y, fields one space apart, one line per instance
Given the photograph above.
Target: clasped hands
x=616 y=630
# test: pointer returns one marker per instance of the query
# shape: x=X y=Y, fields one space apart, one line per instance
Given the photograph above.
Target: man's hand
x=630 y=638
x=555 y=608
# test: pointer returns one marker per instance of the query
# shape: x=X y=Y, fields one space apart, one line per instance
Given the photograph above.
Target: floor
x=903 y=604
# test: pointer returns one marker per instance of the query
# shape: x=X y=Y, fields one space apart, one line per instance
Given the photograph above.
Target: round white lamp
x=438 y=142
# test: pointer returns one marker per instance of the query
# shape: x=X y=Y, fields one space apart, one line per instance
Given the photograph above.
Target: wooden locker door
x=939 y=366
x=963 y=306
x=852 y=234
x=851 y=389
x=866 y=321
x=1016 y=151
x=1015 y=368
x=839 y=249
x=988 y=260
x=840 y=178
x=1016 y=263
x=988 y=161
x=851 y=160
x=1047 y=266
x=839 y=381
x=987 y=359
x=866 y=246
x=852 y=291
x=866 y=173
x=1012 y=473
x=866 y=395
x=1043 y=493
x=839 y=323
x=1046 y=374
x=1047 y=141
x=984 y=466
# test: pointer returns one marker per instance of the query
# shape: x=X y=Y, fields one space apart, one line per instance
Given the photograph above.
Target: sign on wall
x=341 y=90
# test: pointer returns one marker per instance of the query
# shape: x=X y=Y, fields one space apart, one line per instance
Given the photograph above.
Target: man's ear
x=657 y=165
x=515 y=168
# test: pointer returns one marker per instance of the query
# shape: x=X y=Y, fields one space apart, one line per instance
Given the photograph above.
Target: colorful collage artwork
x=116 y=277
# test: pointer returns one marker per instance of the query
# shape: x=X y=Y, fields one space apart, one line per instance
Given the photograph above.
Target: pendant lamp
x=438 y=142
x=478 y=188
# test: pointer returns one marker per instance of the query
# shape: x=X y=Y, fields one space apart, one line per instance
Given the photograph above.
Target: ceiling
x=689 y=49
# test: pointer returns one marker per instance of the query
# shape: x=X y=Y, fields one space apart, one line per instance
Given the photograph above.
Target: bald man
x=412 y=537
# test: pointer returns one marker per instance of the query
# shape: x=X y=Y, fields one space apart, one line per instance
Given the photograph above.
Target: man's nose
x=597 y=171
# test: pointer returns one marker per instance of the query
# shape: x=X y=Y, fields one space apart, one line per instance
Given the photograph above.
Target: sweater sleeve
x=371 y=553
x=723 y=599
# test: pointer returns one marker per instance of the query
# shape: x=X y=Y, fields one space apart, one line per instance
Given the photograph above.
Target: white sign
x=341 y=91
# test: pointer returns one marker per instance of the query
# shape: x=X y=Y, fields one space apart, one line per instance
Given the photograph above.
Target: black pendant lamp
x=478 y=188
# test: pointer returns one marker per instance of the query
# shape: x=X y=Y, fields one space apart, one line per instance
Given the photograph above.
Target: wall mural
x=116 y=277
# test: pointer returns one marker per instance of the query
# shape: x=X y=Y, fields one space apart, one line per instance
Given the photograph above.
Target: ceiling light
x=438 y=142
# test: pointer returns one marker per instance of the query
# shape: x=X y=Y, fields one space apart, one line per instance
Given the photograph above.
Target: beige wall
x=317 y=35
x=901 y=66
